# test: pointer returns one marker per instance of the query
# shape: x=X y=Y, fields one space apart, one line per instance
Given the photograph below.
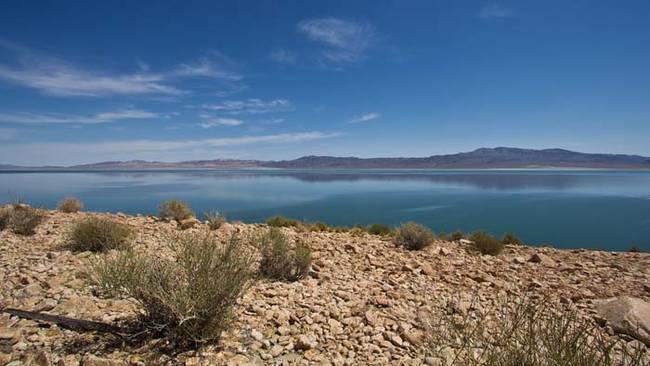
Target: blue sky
x=85 y=81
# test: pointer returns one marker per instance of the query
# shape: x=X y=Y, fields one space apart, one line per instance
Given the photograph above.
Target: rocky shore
x=362 y=303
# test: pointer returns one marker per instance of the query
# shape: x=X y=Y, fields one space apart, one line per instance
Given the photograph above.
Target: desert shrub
x=379 y=229
x=319 y=227
x=413 y=236
x=175 y=210
x=23 y=219
x=5 y=214
x=524 y=331
x=69 y=205
x=98 y=235
x=281 y=221
x=510 y=238
x=279 y=261
x=215 y=219
x=187 y=297
x=486 y=243
x=633 y=249
x=456 y=235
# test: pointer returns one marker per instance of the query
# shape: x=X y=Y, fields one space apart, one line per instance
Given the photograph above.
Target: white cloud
x=345 y=41
x=251 y=106
x=7 y=134
x=215 y=66
x=72 y=153
x=365 y=118
x=494 y=10
x=283 y=56
x=57 y=77
x=104 y=117
x=216 y=122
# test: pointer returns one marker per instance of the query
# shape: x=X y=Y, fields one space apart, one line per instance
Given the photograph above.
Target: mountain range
x=483 y=158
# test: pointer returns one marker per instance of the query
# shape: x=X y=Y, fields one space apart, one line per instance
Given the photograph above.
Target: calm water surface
x=593 y=209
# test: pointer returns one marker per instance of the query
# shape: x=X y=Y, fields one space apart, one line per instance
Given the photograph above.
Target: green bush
x=279 y=261
x=23 y=219
x=69 y=205
x=281 y=221
x=215 y=219
x=379 y=229
x=175 y=210
x=187 y=297
x=510 y=238
x=486 y=243
x=413 y=236
x=98 y=235
x=524 y=332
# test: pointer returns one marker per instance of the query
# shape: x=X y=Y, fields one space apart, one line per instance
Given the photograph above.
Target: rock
x=627 y=315
x=306 y=342
x=427 y=269
x=92 y=360
x=541 y=259
x=188 y=223
x=519 y=260
x=257 y=335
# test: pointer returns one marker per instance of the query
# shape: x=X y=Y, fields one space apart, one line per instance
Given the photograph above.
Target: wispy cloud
x=365 y=118
x=251 y=106
x=104 y=117
x=7 y=134
x=283 y=56
x=57 y=77
x=344 y=40
x=57 y=153
x=494 y=10
x=218 y=121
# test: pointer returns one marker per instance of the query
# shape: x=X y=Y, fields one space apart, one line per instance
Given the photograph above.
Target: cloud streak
x=365 y=118
x=345 y=41
x=104 y=117
x=57 y=77
x=494 y=10
x=217 y=121
x=251 y=106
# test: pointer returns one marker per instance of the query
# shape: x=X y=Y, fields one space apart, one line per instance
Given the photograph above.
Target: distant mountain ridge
x=483 y=158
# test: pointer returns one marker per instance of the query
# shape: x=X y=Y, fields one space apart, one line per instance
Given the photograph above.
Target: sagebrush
x=413 y=236
x=175 y=210
x=215 y=219
x=97 y=234
x=524 y=331
x=380 y=229
x=281 y=221
x=512 y=239
x=486 y=243
x=187 y=296
x=5 y=213
x=70 y=205
x=23 y=219
x=279 y=260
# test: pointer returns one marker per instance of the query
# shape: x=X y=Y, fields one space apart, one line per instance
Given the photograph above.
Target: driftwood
x=78 y=325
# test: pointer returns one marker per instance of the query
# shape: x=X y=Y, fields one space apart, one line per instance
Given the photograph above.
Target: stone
x=92 y=360
x=306 y=342
x=541 y=258
x=188 y=223
x=627 y=315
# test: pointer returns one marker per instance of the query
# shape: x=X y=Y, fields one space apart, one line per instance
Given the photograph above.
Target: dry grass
x=187 y=298
x=486 y=243
x=5 y=215
x=175 y=210
x=98 y=235
x=70 y=205
x=413 y=236
x=379 y=229
x=281 y=221
x=525 y=332
x=215 y=219
x=23 y=219
x=279 y=261
x=512 y=239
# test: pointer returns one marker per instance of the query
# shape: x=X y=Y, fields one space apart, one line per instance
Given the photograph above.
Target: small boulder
x=541 y=259
x=627 y=315
x=188 y=223
x=306 y=342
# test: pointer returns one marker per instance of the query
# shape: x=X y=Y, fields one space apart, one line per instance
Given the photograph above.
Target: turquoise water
x=571 y=209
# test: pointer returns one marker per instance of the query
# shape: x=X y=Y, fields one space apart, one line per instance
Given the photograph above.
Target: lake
x=569 y=209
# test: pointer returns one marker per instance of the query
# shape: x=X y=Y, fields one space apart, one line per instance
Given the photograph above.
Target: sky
x=89 y=81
